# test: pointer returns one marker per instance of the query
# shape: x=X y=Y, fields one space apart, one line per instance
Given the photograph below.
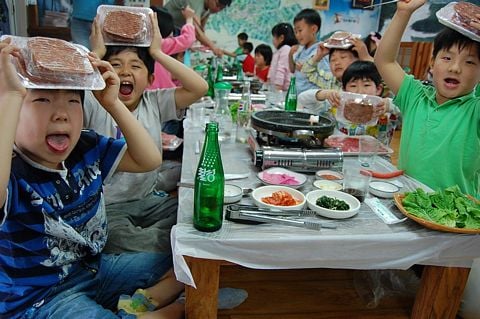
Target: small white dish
x=354 y=204
x=326 y=174
x=267 y=191
x=232 y=193
x=327 y=185
x=281 y=174
x=383 y=189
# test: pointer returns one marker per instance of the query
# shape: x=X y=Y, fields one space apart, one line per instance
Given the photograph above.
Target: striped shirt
x=52 y=220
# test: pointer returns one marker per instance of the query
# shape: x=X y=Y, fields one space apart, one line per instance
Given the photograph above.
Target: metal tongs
x=248 y=213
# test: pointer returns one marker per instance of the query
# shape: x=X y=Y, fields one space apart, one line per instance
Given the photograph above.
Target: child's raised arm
x=386 y=54
x=12 y=93
x=142 y=154
x=194 y=86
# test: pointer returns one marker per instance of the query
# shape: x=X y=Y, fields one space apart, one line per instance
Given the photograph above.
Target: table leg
x=440 y=292
x=201 y=303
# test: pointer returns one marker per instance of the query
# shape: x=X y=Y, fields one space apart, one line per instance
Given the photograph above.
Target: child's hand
x=332 y=96
x=109 y=95
x=156 y=46
x=380 y=108
x=360 y=47
x=321 y=52
x=188 y=13
x=96 y=39
x=293 y=50
x=409 y=5
x=9 y=80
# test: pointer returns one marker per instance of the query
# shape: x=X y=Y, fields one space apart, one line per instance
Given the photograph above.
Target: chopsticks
x=380 y=4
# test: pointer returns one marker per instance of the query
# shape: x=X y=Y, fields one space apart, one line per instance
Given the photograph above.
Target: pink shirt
x=172 y=45
x=279 y=73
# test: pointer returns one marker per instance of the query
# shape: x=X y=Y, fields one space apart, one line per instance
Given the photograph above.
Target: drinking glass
x=367 y=150
x=356 y=182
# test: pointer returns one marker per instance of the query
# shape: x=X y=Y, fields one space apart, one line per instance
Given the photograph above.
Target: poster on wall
x=321 y=4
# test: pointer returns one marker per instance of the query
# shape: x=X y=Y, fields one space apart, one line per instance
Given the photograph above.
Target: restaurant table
x=362 y=242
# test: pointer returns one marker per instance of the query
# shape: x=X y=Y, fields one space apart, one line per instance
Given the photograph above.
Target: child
x=362 y=77
x=238 y=53
x=141 y=216
x=172 y=45
x=371 y=42
x=440 y=144
x=283 y=39
x=53 y=222
x=263 y=58
x=248 y=64
x=306 y=25
x=328 y=83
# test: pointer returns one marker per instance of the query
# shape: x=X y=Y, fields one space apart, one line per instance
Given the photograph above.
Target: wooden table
x=362 y=242
x=439 y=294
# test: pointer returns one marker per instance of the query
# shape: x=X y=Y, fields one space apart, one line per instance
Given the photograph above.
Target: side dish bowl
x=329 y=175
x=383 y=189
x=354 y=204
x=232 y=193
x=267 y=191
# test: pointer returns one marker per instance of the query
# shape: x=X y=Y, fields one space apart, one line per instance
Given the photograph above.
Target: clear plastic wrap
x=125 y=25
x=340 y=40
x=449 y=17
x=350 y=144
x=49 y=63
x=358 y=108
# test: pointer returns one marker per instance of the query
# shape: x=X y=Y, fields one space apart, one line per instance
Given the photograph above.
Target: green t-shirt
x=440 y=144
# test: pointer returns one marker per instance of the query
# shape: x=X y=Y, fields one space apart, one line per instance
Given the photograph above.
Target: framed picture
x=361 y=4
x=321 y=4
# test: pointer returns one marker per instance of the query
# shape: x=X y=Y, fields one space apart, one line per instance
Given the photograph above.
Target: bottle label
x=206 y=175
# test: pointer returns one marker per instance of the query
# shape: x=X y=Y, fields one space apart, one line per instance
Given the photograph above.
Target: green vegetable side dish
x=332 y=203
x=449 y=207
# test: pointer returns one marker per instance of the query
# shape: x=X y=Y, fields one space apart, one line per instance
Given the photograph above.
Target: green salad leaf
x=449 y=207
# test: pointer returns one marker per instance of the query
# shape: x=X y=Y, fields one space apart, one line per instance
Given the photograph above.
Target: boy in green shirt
x=440 y=142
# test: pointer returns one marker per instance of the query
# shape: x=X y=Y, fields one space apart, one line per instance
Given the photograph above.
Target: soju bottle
x=209 y=184
x=210 y=82
x=291 y=98
x=238 y=66
x=219 y=77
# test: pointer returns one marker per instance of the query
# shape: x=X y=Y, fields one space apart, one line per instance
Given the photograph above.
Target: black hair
x=225 y=3
x=369 y=41
x=165 y=21
x=248 y=46
x=265 y=51
x=142 y=53
x=286 y=30
x=242 y=36
x=449 y=38
x=361 y=70
x=350 y=49
x=310 y=16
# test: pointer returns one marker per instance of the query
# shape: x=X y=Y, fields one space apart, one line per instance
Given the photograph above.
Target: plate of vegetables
x=332 y=204
x=446 y=210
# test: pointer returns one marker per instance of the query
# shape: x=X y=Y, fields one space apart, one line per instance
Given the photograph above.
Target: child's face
x=340 y=60
x=277 y=40
x=363 y=86
x=240 y=42
x=49 y=125
x=455 y=73
x=134 y=77
x=305 y=33
x=260 y=60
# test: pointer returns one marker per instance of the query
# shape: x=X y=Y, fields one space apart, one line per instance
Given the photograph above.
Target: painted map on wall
x=257 y=18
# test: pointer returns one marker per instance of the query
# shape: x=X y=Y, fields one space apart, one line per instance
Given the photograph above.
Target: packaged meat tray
x=49 y=63
x=358 y=108
x=457 y=16
x=350 y=144
x=340 y=40
x=125 y=25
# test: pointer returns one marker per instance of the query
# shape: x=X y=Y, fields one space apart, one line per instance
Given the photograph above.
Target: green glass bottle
x=210 y=82
x=219 y=77
x=239 y=68
x=209 y=184
x=291 y=98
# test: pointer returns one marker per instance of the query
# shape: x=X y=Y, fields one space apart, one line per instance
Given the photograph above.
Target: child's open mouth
x=126 y=88
x=58 y=143
x=451 y=83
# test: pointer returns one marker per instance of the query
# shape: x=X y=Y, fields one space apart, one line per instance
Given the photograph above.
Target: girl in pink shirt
x=283 y=38
x=172 y=45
